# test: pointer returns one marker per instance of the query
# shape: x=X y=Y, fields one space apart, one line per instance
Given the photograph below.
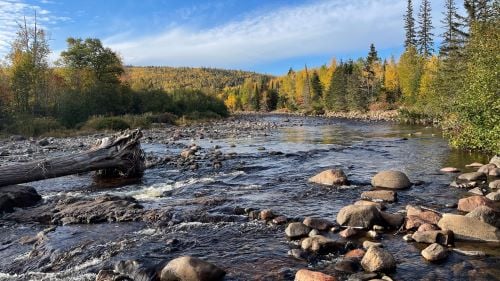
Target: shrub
x=110 y=123
x=33 y=126
x=164 y=118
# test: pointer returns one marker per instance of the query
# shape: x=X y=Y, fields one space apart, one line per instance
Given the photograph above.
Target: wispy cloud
x=12 y=12
x=333 y=26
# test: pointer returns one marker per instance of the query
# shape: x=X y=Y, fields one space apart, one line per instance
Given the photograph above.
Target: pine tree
x=410 y=26
x=316 y=87
x=372 y=55
x=306 y=90
x=424 y=34
x=335 y=98
x=451 y=37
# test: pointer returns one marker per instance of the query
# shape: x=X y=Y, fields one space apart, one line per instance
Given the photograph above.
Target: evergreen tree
x=369 y=71
x=316 y=87
x=372 y=55
x=425 y=41
x=451 y=36
x=306 y=90
x=335 y=96
x=410 y=26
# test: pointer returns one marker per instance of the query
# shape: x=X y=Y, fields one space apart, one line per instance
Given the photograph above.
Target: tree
x=316 y=87
x=370 y=81
x=410 y=39
x=410 y=71
x=306 y=90
x=451 y=37
x=335 y=98
x=425 y=41
x=391 y=81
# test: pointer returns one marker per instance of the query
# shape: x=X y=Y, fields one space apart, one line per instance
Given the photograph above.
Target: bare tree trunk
x=119 y=155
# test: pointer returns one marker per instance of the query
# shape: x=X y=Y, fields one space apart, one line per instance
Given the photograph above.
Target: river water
x=205 y=225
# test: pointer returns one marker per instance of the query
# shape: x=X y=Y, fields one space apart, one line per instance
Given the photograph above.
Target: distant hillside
x=210 y=80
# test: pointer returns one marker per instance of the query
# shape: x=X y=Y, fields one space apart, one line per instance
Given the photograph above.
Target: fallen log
x=118 y=155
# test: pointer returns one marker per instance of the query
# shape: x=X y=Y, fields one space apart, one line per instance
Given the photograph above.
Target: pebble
x=408 y=237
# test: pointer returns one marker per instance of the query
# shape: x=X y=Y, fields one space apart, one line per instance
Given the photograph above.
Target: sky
x=267 y=36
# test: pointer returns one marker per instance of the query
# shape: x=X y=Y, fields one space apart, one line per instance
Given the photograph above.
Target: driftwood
x=119 y=155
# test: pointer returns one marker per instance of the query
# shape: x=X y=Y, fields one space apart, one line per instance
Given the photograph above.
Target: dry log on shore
x=118 y=155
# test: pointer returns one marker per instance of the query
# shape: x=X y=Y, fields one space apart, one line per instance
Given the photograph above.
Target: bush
x=33 y=126
x=138 y=121
x=106 y=123
x=164 y=118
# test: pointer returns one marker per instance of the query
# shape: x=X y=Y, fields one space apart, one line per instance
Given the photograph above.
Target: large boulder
x=470 y=203
x=379 y=195
x=378 y=259
x=318 y=223
x=330 y=177
x=485 y=214
x=416 y=216
x=359 y=216
x=467 y=228
x=308 y=275
x=391 y=179
x=495 y=160
x=191 y=269
x=434 y=252
x=485 y=169
x=17 y=196
x=297 y=230
x=321 y=244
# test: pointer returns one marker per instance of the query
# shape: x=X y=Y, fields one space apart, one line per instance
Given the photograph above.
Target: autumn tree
x=410 y=71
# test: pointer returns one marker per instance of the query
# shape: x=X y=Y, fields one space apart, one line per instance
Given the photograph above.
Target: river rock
x=379 y=195
x=134 y=270
x=473 y=176
x=318 y=223
x=356 y=254
x=308 y=275
x=494 y=185
x=494 y=196
x=392 y=220
x=280 y=220
x=485 y=169
x=17 y=196
x=416 y=216
x=378 y=259
x=362 y=276
x=367 y=244
x=321 y=244
x=476 y=190
x=297 y=230
x=470 y=203
x=467 y=228
x=443 y=237
x=485 y=214
x=379 y=205
x=494 y=172
x=391 y=179
x=348 y=232
x=474 y=165
x=450 y=170
x=495 y=160
x=427 y=227
x=359 y=216
x=191 y=269
x=266 y=214
x=346 y=265
x=434 y=252
x=330 y=177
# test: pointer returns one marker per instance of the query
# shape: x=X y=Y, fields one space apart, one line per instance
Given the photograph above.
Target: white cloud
x=316 y=28
x=12 y=12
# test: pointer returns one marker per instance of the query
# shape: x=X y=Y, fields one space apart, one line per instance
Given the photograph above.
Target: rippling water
x=251 y=250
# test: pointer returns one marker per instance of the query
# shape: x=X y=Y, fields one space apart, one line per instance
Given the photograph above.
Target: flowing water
x=252 y=250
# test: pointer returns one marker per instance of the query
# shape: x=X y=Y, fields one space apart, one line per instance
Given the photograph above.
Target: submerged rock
x=466 y=228
x=330 y=177
x=321 y=244
x=391 y=179
x=379 y=195
x=474 y=176
x=17 y=196
x=450 y=170
x=191 y=269
x=135 y=270
x=434 y=252
x=378 y=259
x=359 y=216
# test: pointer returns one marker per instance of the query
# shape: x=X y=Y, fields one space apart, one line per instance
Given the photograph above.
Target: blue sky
x=267 y=36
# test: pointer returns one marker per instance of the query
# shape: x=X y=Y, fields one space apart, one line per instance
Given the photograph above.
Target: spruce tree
x=372 y=55
x=451 y=36
x=306 y=90
x=316 y=87
x=424 y=34
x=410 y=26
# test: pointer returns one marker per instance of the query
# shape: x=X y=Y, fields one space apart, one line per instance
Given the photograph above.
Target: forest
x=454 y=86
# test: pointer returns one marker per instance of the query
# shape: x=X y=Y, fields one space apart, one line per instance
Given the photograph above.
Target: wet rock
x=408 y=237
x=485 y=214
x=254 y=215
x=378 y=228
x=450 y=170
x=485 y=169
x=266 y=214
x=469 y=184
x=416 y=216
x=392 y=220
x=379 y=195
x=477 y=191
x=378 y=259
x=17 y=196
x=443 y=237
x=330 y=177
x=494 y=185
x=379 y=205
x=466 y=228
x=313 y=232
x=298 y=254
x=359 y=216
x=373 y=234
x=470 y=203
x=473 y=176
x=427 y=227
x=191 y=269
x=308 y=275
x=280 y=220
x=362 y=276
x=434 y=252
x=110 y=275
x=356 y=254
x=474 y=165
x=43 y=142
x=297 y=230
x=367 y=244
x=494 y=172
x=320 y=244
x=105 y=208
x=494 y=196
x=495 y=160
x=135 y=270
x=346 y=265
x=186 y=153
x=348 y=232
x=391 y=179
x=318 y=223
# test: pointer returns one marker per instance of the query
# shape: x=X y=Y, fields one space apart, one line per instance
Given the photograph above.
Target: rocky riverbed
x=256 y=197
